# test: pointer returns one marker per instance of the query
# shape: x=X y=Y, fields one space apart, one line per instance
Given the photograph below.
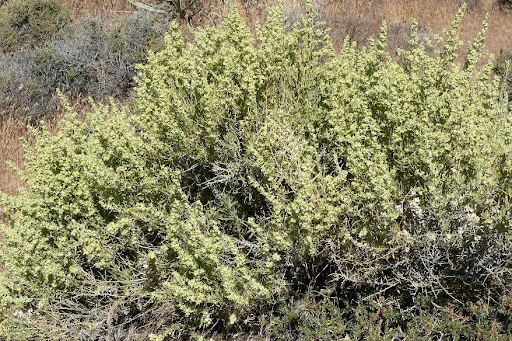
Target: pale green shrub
x=254 y=168
x=426 y=144
x=105 y=224
x=397 y=172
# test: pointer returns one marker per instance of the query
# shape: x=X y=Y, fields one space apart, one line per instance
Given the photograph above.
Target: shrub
x=381 y=318
x=30 y=22
x=505 y=5
x=254 y=169
x=95 y=59
x=504 y=69
x=16 y=84
x=98 y=59
x=421 y=180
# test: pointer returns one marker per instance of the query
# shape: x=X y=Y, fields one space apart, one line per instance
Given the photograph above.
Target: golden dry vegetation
x=11 y=130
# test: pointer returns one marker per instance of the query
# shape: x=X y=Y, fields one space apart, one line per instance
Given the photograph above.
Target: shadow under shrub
x=255 y=168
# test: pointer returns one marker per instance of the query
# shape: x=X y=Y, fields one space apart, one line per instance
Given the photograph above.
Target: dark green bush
x=379 y=318
x=30 y=22
x=255 y=168
x=504 y=69
x=505 y=5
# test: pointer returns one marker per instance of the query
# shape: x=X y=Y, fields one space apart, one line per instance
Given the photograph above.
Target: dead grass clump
x=505 y=5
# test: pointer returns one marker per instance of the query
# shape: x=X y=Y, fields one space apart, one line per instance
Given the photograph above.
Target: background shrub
x=262 y=177
x=95 y=58
x=30 y=22
x=98 y=59
x=505 y=5
x=504 y=69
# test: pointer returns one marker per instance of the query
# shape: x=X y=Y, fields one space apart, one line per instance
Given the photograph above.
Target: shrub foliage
x=258 y=169
x=30 y=22
x=95 y=58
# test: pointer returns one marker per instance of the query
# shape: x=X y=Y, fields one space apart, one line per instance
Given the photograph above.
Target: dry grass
x=105 y=8
x=361 y=19
x=11 y=150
